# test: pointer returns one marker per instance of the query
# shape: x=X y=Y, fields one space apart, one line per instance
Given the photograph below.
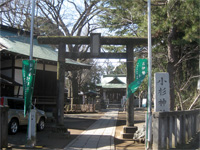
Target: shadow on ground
x=49 y=140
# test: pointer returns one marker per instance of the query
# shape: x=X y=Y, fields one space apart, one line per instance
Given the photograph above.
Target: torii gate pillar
x=130 y=79
x=129 y=129
x=60 y=83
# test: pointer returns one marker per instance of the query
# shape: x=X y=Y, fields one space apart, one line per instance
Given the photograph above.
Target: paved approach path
x=99 y=136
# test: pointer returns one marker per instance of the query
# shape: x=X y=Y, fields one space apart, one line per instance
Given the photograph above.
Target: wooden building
x=14 y=47
x=113 y=89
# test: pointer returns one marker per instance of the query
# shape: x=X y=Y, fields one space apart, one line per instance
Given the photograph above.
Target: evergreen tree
x=175 y=29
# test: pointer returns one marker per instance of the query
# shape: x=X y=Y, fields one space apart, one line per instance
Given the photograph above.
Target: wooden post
x=130 y=79
x=61 y=83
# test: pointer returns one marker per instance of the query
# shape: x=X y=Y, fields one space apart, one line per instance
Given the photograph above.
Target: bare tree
x=80 y=16
x=14 y=12
x=55 y=17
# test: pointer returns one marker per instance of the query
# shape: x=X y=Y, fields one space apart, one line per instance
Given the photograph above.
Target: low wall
x=173 y=128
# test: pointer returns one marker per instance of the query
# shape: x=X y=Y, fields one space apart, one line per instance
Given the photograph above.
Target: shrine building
x=113 y=90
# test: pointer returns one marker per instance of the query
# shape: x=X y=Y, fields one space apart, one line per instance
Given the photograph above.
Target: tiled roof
x=113 y=82
x=19 y=43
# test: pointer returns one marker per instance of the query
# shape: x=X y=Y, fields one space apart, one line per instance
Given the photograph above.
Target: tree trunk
x=180 y=99
x=171 y=63
x=74 y=79
x=75 y=87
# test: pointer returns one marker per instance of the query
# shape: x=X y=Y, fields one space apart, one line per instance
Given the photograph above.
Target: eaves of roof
x=20 y=45
x=114 y=86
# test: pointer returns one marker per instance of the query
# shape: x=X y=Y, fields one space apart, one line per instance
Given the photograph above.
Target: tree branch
x=188 y=82
x=75 y=6
x=5 y=3
x=187 y=55
x=195 y=100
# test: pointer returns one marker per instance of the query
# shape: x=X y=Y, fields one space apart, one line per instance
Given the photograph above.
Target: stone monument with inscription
x=161 y=92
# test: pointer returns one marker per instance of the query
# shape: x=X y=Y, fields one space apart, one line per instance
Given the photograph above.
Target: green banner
x=140 y=73
x=28 y=75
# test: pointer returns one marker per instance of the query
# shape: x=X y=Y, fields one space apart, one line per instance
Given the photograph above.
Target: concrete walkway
x=99 y=136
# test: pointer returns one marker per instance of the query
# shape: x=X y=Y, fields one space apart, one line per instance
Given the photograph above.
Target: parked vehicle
x=16 y=114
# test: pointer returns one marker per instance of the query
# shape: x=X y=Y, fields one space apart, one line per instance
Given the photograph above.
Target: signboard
x=140 y=73
x=28 y=75
x=95 y=43
x=161 y=90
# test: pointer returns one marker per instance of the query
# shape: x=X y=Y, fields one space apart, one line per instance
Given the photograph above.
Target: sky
x=79 y=3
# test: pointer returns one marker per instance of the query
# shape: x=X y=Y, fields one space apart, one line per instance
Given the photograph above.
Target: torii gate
x=95 y=41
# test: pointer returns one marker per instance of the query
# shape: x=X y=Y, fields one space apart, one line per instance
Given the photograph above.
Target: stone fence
x=171 y=129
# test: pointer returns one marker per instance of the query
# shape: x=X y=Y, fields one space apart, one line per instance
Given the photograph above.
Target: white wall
x=51 y=68
x=18 y=63
x=16 y=90
x=18 y=76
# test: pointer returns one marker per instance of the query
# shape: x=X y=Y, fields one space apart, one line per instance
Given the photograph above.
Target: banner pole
x=32 y=25
x=30 y=141
x=149 y=114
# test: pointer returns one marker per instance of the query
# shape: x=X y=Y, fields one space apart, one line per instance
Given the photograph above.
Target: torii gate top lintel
x=105 y=40
x=95 y=41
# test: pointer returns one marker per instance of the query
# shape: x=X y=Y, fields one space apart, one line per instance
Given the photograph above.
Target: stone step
x=127 y=135
x=128 y=132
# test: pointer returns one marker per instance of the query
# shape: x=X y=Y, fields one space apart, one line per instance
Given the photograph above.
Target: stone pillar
x=60 y=128
x=156 y=133
x=179 y=128
x=61 y=83
x=172 y=134
x=183 y=129
x=186 y=129
x=129 y=129
x=130 y=79
x=175 y=131
x=189 y=126
x=164 y=133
